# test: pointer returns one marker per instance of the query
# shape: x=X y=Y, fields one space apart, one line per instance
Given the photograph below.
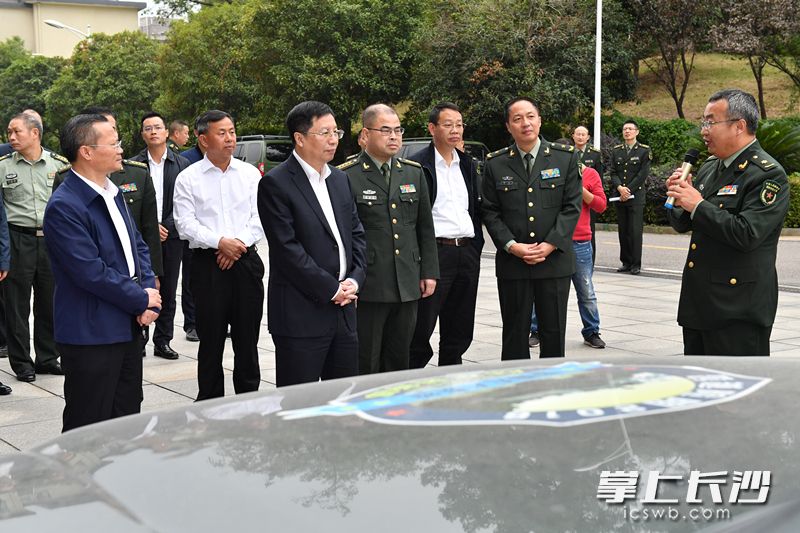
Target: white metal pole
x=598 y=63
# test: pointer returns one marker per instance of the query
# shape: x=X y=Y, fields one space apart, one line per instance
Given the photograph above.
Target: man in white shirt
x=164 y=165
x=453 y=188
x=215 y=210
x=104 y=285
x=316 y=253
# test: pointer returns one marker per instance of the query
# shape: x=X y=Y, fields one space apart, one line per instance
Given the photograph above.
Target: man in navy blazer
x=104 y=285
x=453 y=187
x=316 y=253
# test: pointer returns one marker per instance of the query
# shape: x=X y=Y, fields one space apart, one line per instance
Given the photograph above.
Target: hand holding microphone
x=689 y=160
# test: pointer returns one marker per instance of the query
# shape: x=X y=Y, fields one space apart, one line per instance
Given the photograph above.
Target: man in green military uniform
x=178 y=136
x=402 y=259
x=735 y=210
x=531 y=204
x=28 y=175
x=629 y=168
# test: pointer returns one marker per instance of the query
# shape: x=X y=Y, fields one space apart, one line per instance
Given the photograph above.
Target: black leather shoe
x=4 y=390
x=53 y=368
x=27 y=376
x=3 y=351
x=635 y=271
x=624 y=268
x=191 y=335
x=165 y=352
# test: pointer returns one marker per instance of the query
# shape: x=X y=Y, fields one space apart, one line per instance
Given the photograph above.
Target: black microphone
x=689 y=160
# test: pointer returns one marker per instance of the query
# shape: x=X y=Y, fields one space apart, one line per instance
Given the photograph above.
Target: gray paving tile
x=25 y=436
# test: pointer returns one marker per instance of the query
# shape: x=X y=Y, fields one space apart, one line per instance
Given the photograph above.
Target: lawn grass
x=711 y=73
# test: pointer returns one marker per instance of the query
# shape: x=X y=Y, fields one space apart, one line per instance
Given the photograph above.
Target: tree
x=756 y=29
x=676 y=28
x=24 y=82
x=116 y=71
x=12 y=49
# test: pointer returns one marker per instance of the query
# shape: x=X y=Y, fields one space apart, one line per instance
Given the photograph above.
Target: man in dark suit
x=316 y=253
x=395 y=209
x=104 y=286
x=531 y=204
x=193 y=155
x=735 y=210
x=629 y=168
x=164 y=165
x=453 y=188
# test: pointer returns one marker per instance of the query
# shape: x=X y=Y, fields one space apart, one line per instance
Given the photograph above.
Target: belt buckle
x=39 y=232
x=460 y=241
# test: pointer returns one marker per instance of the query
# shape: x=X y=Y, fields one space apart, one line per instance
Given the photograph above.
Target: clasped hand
x=532 y=254
x=347 y=293
x=153 y=302
x=228 y=252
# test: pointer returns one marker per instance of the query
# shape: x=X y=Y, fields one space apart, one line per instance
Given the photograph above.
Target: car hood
x=520 y=446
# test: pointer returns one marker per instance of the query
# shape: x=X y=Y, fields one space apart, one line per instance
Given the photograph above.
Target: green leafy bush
x=793 y=217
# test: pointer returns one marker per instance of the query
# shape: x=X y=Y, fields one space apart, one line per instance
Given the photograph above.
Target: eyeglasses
x=706 y=124
x=117 y=144
x=386 y=130
x=451 y=125
x=328 y=133
x=148 y=129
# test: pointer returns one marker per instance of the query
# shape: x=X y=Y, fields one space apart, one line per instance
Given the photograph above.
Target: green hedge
x=793 y=217
x=668 y=139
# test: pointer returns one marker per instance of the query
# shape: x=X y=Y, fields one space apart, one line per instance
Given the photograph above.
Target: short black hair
x=152 y=114
x=213 y=115
x=631 y=121
x=79 y=131
x=514 y=101
x=99 y=110
x=433 y=116
x=177 y=125
x=302 y=115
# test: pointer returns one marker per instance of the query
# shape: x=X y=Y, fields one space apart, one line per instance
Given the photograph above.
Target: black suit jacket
x=303 y=254
x=173 y=166
x=426 y=158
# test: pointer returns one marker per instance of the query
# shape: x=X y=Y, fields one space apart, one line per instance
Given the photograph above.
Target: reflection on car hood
x=509 y=447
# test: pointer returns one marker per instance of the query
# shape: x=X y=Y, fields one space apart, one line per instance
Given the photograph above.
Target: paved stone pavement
x=637 y=315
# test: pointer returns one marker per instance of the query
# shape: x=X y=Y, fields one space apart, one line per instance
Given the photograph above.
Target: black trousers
x=453 y=303
x=739 y=338
x=384 y=335
x=630 y=225
x=236 y=297
x=102 y=381
x=517 y=298
x=309 y=359
x=30 y=269
x=172 y=252
x=187 y=301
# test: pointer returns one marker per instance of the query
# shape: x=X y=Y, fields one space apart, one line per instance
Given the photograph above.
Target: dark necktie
x=528 y=164
x=385 y=172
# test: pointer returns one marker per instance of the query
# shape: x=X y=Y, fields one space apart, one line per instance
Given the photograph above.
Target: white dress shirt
x=210 y=204
x=157 y=173
x=317 y=182
x=451 y=207
x=109 y=192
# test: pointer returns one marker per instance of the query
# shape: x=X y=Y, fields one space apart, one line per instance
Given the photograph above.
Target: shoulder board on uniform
x=563 y=147
x=134 y=163
x=63 y=170
x=6 y=156
x=644 y=145
x=409 y=162
x=498 y=152
x=619 y=146
x=347 y=164
x=763 y=161
x=593 y=149
x=59 y=157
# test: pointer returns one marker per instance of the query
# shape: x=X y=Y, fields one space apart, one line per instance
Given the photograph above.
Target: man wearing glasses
x=316 y=253
x=104 y=286
x=215 y=210
x=629 y=168
x=402 y=260
x=452 y=183
x=165 y=165
x=735 y=210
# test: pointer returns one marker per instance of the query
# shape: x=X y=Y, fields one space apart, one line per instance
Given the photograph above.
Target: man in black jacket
x=453 y=187
x=164 y=165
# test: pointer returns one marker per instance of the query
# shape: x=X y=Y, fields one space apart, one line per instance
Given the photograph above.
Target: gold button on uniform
x=691 y=264
x=396 y=236
x=394 y=221
x=397 y=252
x=733 y=281
x=530 y=189
x=532 y=234
x=694 y=246
x=531 y=219
x=530 y=204
x=369 y=203
x=394 y=206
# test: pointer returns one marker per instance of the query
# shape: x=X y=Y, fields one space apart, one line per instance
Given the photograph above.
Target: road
x=663 y=255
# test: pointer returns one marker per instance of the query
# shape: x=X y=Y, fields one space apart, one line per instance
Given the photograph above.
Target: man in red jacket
x=594 y=199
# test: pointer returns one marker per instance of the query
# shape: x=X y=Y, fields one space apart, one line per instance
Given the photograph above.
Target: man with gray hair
x=27 y=176
x=735 y=211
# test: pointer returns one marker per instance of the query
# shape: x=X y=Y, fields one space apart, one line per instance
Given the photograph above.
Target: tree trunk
x=757 y=67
